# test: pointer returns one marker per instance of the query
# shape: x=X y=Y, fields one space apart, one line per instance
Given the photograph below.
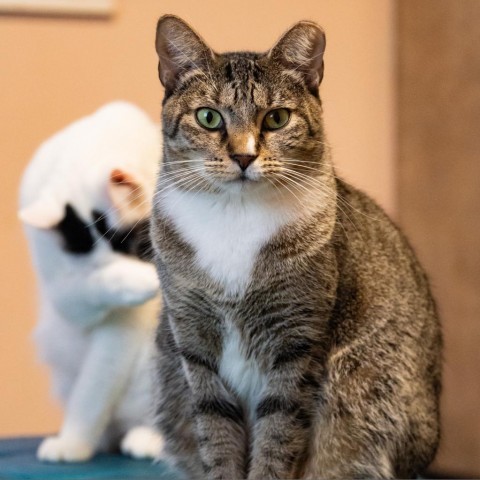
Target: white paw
x=142 y=442
x=137 y=285
x=142 y=287
x=61 y=449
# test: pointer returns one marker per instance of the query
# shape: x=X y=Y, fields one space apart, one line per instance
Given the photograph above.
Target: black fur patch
x=119 y=239
x=304 y=418
x=198 y=360
x=229 y=72
x=308 y=380
x=75 y=233
x=202 y=440
x=295 y=350
x=172 y=133
x=142 y=243
x=133 y=241
x=221 y=408
x=271 y=405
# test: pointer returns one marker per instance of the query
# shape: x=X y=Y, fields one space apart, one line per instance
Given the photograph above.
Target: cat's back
x=73 y=161
x=370 y=239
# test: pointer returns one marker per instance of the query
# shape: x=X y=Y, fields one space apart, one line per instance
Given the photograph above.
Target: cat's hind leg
x=376 y=420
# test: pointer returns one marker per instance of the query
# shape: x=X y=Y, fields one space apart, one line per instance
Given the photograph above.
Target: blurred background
x=402 y=109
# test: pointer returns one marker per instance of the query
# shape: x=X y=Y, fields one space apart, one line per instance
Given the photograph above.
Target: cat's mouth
x=240 y=181
x=243 y=179
x=246 y=176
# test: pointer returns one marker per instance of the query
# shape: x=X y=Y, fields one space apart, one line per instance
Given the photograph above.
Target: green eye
x=276 y=119
x=209 y=118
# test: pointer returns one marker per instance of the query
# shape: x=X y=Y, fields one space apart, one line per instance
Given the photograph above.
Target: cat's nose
x=243 y=160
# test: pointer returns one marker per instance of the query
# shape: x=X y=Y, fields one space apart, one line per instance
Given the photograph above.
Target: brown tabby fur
x=336 y=317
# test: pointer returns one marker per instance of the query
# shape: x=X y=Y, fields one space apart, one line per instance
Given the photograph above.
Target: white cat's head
x=121 y=221
x=92 y=183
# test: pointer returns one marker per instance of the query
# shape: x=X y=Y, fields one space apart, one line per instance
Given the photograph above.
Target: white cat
x=85 y=199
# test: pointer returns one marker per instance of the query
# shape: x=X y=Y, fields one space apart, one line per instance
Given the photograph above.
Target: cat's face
x=241 y=121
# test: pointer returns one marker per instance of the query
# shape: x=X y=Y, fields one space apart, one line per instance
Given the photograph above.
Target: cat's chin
x=244 y=185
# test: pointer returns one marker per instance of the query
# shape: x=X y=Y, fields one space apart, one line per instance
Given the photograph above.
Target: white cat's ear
x=180 y=51
x=301 y=49
x=127 y=195
x=44 y=213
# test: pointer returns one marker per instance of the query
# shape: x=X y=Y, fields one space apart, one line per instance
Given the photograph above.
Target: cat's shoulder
x=366 y=231
x=360 y=210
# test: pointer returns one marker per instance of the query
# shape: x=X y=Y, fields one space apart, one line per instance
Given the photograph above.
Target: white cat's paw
x=143 y=285
x=62 y=449
x=142 y=442
x=137 y=284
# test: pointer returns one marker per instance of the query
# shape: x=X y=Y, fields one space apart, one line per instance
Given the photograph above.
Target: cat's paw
x=143 y=285
x=62 y=449
x=130 y=283
x=142 y=442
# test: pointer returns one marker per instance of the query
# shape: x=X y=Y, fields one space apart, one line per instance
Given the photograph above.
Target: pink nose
x=243 y=160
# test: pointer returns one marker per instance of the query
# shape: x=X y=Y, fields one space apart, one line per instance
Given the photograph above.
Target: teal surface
x=18 y=461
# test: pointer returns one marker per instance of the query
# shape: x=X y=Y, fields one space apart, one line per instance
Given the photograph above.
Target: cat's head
x=122 y=223
x=241 y=121
x=90 y=186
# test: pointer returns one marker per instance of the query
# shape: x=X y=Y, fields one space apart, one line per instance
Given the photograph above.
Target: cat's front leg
x=64 y=448
x=103 y=375
x=283 y=419
x=221 y=439
x=220 y=426
x=218 y=418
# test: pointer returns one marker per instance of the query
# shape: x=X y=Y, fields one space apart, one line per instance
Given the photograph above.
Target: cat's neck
x=287 y=204
x=227 y=231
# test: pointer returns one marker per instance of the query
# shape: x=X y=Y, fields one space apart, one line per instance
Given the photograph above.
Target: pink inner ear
x=119 y=177
x=127 y=196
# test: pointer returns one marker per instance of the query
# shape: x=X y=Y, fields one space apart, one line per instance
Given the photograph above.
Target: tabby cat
x=299 y=338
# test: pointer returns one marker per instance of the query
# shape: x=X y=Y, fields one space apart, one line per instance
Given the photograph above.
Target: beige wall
x=439 y=197
x=53 y=71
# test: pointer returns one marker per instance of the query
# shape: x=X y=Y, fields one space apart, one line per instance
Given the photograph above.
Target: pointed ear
x=180 y=50
x=127 y=196
x=301 y=49
x=44 y=213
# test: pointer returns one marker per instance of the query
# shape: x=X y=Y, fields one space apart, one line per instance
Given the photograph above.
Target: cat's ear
x=45 y=212
x=127 y=195
x=301 y=49
x=180 y=50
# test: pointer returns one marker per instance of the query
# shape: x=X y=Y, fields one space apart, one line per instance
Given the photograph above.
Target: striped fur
x=298 y=337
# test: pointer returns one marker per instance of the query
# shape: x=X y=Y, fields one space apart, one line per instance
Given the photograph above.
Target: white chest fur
x=242 y=375
x=227 y=233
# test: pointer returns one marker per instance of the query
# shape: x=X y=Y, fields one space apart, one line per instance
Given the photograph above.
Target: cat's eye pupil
x=209 y=117
x=276 y=117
